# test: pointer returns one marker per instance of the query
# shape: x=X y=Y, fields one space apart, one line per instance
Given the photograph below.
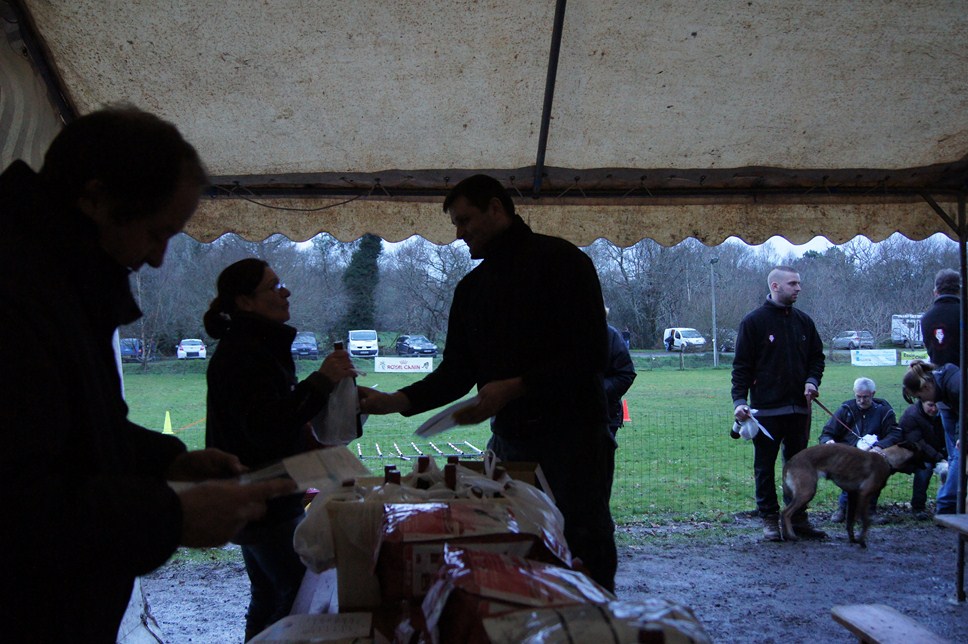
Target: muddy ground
x=741 y=588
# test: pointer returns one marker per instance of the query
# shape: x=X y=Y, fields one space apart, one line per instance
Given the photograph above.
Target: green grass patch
x=675 y=461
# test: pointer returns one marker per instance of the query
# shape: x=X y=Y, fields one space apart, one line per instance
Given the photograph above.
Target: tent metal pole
x=549 y=96
x=963 y=402
x=38 y=57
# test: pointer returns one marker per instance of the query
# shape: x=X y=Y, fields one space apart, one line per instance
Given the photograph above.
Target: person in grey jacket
x=778 y=363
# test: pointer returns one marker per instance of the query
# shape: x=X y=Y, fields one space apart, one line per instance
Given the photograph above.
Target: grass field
x=675 y=459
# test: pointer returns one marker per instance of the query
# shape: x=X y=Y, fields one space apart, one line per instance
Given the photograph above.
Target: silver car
x=853 y=340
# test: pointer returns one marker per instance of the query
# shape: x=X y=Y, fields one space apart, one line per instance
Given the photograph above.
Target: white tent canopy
x=622 y=119
x=666 y=119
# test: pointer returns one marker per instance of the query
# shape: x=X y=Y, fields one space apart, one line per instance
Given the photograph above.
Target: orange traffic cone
x=625 y=411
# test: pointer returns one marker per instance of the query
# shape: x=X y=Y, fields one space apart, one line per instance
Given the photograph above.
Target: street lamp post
x=712 y=283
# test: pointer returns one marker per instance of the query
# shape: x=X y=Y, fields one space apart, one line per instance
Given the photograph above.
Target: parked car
x=727 y=340
x=304 y=346
x=853 y=340
x=132 y=350
x=683 y=339
x=415 y=345
x=190 y=348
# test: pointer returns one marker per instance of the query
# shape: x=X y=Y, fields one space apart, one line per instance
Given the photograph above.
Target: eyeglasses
x=278 y=286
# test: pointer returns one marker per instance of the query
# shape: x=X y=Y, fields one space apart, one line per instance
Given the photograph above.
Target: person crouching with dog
x=778 y=363
x=925 y=382
x=861 y=416
x=920 y=424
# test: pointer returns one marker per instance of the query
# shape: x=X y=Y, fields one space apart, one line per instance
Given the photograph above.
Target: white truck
x=362 y=343
x=906 y=330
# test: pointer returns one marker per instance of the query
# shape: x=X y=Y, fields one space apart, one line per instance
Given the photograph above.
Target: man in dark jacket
x=527 y=327
x=856 y=418
x=940 y=327
x=921 y=425
x=83 y=490
x=619 y=376
x=778 y=363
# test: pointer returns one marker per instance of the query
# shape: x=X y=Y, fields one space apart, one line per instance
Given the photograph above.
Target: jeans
x=579 y=472
x=919 y=493
x=275 y=574
x=947 y=493
x=792 y=431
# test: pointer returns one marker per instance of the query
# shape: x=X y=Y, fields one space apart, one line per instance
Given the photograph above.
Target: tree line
x=407 y=287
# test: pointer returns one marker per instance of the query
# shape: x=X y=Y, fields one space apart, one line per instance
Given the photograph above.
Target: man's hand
x=213 y=512
x=377 y=402
x=337 y=366
x=203 y=464
x=492 y=398
x=741 y=413
x=810 y=392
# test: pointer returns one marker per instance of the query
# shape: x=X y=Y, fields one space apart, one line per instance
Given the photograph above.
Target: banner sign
x=908 y=355
x=873 y=357
x=404 y=365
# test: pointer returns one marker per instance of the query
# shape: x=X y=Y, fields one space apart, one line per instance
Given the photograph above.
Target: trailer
x=906 y=330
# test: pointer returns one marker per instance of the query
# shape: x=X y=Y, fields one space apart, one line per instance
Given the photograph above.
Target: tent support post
x=38 y=58
x=549 y=96
x=963 y=402
x=961 y=230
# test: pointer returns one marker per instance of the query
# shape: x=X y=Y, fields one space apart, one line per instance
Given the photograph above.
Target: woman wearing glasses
x=258 y=411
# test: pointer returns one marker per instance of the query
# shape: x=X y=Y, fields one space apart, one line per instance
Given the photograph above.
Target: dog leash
x=842 y=423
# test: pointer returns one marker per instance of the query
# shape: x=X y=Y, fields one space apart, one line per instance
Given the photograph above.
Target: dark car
x=132 y=350
x=304 y=346
x=726 y=338
x=415 y=345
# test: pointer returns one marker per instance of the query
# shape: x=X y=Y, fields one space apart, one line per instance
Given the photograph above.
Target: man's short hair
x=865 y=384
x=947 y=282
x=772 y=277
x=137 y=157
x=479 y=189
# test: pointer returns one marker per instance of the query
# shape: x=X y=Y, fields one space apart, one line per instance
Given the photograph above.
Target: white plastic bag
x=866 y=442
x=750 y=427
x=339 y=422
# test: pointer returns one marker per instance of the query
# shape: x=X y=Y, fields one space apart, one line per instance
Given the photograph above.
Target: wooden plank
x=957 y=522
x=880 y=624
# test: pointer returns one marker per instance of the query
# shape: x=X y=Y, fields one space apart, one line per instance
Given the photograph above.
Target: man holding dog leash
x=778 y=363
x=861 y=416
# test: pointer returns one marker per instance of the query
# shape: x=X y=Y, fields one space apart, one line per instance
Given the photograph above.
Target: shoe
x=771 y=528
x=807 y=531
x=920 y=514
x=838 y=516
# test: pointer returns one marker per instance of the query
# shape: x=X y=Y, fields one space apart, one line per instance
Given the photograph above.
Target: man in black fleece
x=778 y=363
x=83 y=489
x=940 y=326
x=527 y=327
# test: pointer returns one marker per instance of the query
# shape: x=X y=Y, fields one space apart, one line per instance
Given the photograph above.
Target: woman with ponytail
x=258 y=411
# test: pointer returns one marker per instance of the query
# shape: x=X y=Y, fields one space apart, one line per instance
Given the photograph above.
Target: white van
x=362 y=343
x=683 y=339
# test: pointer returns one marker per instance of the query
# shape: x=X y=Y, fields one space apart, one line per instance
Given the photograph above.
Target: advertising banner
x=873 y=357
x=907 y=355
x=404 y=365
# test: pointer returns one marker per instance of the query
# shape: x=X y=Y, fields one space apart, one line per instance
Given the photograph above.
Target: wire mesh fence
x=669 y=466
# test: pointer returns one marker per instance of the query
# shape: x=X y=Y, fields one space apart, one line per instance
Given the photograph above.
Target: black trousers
x=791 y=433
x=579 y=471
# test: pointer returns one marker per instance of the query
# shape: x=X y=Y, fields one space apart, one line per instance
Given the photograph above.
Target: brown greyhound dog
x=861 y=474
